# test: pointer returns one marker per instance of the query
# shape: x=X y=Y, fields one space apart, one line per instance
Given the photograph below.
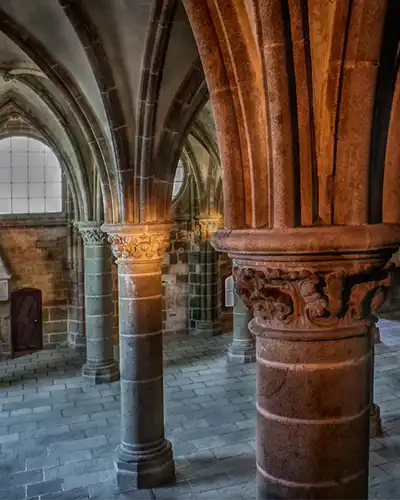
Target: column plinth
x=312 y=317
x=243 y=347
x=144 y=458
x=100 y=367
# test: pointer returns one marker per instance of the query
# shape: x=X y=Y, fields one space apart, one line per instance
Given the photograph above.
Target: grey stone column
x=375 y=423
x=100 y=365
x=144 y=458
x=204 y=286
x=243 y=347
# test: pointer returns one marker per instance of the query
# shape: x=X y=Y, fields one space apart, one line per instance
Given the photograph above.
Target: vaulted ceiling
x=114 y=86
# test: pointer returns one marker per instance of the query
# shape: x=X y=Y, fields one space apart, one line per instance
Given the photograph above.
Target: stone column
x=144 y=457
x=312 y=316
x=76 y=310
x=100 y=365
x=243 y=347
x=375 y=426
x=204 y=286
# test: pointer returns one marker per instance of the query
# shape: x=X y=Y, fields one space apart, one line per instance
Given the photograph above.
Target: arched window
x=229 y=299
x=30 y=177
x=178 y=180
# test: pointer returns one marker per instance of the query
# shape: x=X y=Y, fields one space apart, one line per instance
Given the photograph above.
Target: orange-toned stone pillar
x=312 y=315
x=144 y=458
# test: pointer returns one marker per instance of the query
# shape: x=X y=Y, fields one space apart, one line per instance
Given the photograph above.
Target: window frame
x=182 y=189
x=38 y=218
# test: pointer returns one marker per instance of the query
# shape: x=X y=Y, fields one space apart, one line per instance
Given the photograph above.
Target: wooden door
x=26 y=320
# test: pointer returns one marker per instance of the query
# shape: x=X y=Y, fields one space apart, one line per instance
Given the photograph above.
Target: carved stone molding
x=304 y=299
x=91 y=233
x=138 y=242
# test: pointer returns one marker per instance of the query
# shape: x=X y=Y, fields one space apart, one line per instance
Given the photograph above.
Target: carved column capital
x=305 y=298
x=91 y=233
x=311 y=279
x=138 y=242
x=209 y=225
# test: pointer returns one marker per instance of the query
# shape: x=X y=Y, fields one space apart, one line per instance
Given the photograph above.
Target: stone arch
x=68 y=89
x=14 y=105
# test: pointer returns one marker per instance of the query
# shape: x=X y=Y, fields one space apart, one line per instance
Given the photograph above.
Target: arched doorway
x=26 y=320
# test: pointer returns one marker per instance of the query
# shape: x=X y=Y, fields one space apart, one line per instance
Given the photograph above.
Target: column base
x=241 y=353
x=375 y=423
x=100 y=374
x=145 y=468
x=207 y=329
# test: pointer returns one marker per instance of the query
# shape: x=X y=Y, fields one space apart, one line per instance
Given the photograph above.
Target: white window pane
x=19 y=174
x=53 y=174
x=5 y=175
x=34 y=146
x=51 y=159
x=176 y=189
x=179 y=173
x=19 y=190
x=19 y=143
x=36 y=174
x=5 y=159
x=53 y=205
x=36 y=190
x=5 y=190
x=19 y=206
x=53 y=189
x=5 y=145
x=19 y=160
x=36 y=205
x=5 y=206
x=30 y=177
x=36 y=160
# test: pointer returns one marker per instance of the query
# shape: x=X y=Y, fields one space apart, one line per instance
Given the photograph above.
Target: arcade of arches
x=149 y=151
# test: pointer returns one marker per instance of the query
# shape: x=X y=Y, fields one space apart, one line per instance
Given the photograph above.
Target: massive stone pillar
x=144 y=455
x=204 y=286
x=100 y=365
x=312 y=316
x=243 y=347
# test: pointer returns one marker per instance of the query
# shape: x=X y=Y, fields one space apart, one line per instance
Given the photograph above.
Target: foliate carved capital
x=308 y=299
x=209 y=225
x=134 y=242
x=91 y=233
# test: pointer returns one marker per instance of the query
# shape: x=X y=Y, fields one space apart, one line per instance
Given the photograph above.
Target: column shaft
x=204 y=293
x=375 y=427
x=313 y=415
x=243 y=347
x=100 y=365
x=144 y=458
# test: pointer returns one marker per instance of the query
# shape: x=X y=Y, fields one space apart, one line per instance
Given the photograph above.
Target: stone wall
x=37 y=257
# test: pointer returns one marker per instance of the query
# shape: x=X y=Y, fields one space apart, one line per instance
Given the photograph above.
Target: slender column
x=144 y=458
x=100 y=365
x=243 y=347
x=76 y=313
x=204 y=286
x=375 y=427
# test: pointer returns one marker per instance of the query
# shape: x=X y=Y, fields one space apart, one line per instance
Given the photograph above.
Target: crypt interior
x=199 y=253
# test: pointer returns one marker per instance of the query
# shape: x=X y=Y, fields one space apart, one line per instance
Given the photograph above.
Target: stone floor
x=58 y=435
